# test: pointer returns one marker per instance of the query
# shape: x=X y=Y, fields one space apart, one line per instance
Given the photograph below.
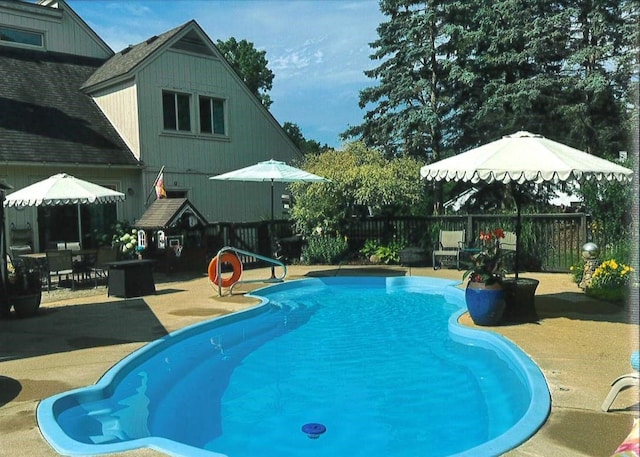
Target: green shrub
x=385 y=254
x=324 y=249
x=370 y=248
x=577 y=271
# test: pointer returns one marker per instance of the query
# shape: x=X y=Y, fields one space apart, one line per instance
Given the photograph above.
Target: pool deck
x=581 y=345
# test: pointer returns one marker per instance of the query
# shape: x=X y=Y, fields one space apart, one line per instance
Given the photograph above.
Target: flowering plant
x=487 y=264
x=610 y=280
x=126 y=238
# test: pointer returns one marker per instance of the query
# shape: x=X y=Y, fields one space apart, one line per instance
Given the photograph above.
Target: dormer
x=49 y=25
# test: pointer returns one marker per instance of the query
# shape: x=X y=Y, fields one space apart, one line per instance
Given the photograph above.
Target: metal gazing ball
x=590 y=251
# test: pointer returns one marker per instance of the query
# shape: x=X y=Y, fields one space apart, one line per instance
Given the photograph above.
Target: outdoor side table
x=131 y=278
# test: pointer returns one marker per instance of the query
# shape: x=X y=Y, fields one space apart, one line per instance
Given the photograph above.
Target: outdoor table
x=131 y=278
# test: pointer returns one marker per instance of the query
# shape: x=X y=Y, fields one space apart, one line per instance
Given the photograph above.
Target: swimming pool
x=380 y=362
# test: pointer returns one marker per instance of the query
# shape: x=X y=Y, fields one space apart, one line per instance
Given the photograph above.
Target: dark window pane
x=205 y=115
x=218 y=117
x=169 y=110
x=21 y=36
x=184 y=118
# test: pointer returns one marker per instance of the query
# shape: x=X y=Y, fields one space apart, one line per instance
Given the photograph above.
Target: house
x=68 y=103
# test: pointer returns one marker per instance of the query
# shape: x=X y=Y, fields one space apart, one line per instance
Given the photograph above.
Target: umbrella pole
x=271 y=238
x=4 y=296
x=79 y=225
x=517 y=196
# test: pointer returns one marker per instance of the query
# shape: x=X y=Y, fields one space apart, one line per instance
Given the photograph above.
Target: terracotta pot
x=485 y=303
x=26 y=305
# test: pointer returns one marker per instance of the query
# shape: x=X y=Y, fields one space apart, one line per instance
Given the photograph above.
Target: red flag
x=160 y=192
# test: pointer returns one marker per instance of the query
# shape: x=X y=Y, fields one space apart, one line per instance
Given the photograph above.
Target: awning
x=165 y=213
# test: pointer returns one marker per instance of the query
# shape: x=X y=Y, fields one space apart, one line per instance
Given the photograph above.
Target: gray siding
x=252 y=135
x=63 y=32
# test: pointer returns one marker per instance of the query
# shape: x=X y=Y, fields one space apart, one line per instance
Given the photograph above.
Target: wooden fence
x=549 y=242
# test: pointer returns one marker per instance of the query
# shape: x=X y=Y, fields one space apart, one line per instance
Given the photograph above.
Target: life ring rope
x=236 y=265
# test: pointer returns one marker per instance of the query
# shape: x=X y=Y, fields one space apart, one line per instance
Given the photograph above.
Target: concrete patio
x=581 y=345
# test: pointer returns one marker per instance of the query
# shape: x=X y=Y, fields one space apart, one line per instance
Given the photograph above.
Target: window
x=16 y=36
x=176 y=111
x=212 y=116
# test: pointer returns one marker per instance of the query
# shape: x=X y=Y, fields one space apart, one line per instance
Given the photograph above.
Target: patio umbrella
x=523 y=157
x=63 y=189
x=270 y=171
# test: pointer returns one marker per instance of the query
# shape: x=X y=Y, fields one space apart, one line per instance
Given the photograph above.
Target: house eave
x=72 y=165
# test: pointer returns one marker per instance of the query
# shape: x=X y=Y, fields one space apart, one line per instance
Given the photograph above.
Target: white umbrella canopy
x=524 y=157
x=63 y=189
x=270 y=171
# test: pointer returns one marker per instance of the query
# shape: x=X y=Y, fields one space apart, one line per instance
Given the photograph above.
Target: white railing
x=273 y=262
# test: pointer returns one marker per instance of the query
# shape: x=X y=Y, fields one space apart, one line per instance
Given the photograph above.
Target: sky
x=318 y=50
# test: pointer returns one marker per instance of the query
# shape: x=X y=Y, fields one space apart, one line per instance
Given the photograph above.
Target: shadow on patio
x=68 y=328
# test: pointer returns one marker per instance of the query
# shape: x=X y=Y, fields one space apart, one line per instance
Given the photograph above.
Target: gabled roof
x=44 y=117
x=167 y=212
x=132 y=56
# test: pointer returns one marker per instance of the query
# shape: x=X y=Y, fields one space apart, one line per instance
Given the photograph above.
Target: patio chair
x=508 y=243
x=623 y=382
x=105 y=255
x=450 y=244
x=60 y=263
x=17 y=251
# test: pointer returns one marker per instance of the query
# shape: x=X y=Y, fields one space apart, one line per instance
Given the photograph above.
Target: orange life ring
x=236 y=265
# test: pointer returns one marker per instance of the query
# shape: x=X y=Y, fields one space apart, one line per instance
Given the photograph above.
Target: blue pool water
x=380 y=362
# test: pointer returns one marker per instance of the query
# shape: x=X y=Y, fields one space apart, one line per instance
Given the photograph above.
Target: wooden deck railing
x=550 y=242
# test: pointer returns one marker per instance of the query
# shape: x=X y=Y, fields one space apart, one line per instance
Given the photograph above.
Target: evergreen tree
x=457 y=74
x=410 y=104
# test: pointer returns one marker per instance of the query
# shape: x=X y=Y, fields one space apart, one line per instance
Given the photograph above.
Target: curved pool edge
x=534 y=418
x=63 y=444
x=540 y=405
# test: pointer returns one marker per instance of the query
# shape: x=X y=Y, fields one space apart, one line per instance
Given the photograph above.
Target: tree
x=411 y=101
x=306 y=146
x=454 y=75
x=361 y=178
x=251 y=66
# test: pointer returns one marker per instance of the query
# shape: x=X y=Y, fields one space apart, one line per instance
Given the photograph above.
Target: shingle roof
x=166 y=212
x=44 y=117
x=127 y=59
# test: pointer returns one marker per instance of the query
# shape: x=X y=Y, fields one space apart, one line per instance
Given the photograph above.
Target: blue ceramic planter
x=485 y=303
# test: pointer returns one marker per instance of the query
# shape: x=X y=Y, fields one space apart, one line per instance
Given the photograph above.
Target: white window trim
x=24 y=45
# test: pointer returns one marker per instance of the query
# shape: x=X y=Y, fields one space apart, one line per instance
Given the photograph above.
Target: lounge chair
x=450 y=244
x=624 y=382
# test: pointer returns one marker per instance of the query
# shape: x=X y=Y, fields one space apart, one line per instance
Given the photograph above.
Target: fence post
x=583 y=229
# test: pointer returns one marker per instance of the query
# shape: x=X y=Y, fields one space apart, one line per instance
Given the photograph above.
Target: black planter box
x=131 y=278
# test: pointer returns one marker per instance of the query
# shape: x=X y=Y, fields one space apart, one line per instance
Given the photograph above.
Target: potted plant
x=24 y=287
x=484 y=294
